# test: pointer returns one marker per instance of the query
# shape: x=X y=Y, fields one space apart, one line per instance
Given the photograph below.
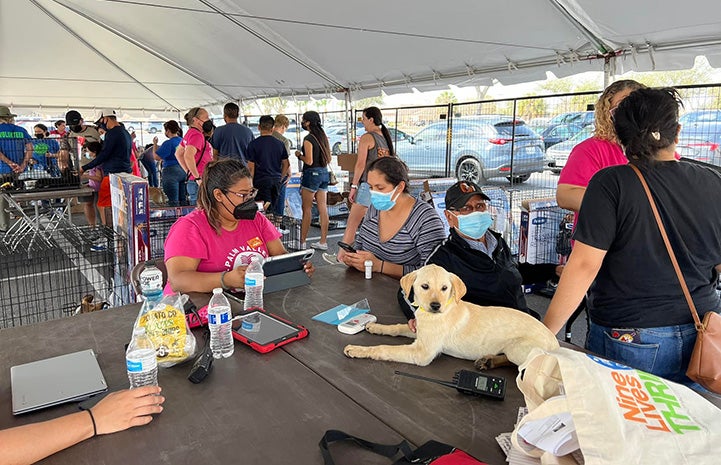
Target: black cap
x=73 y=117
x=458 y=194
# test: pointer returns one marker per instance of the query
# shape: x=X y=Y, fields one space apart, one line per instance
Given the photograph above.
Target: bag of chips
x=167 y=328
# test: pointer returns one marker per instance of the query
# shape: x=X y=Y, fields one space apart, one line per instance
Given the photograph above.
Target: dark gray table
x=253 y=409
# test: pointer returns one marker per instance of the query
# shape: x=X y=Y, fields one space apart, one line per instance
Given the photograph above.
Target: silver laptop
x=56 y=380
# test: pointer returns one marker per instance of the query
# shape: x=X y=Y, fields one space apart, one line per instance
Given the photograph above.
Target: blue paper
x=339 y=314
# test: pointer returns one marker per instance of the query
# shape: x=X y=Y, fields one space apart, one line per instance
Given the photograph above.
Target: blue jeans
x=315 y=179
x=152 y=168
x=279 y=208
x=664 y=351
x=174 y=185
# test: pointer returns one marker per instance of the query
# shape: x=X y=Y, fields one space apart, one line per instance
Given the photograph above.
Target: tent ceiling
x=175 y=54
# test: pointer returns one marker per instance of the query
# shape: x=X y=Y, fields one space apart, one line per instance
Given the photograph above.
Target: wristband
x=92 y=418
x=222 y=282
x=353 y=186
x=383 y=262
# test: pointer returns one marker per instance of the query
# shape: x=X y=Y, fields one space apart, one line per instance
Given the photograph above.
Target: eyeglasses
x=246 y=195
x=466 y=209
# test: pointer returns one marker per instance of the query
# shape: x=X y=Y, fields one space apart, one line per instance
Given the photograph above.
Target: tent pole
x=607 y=71
x=348 y=120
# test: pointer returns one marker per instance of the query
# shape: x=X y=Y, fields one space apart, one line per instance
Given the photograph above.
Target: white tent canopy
x=170 y=55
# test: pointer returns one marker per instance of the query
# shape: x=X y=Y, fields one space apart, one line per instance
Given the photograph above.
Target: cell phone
x=346 y=247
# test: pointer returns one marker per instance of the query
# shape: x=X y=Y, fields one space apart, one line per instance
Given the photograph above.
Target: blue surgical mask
x=474 y=225
x=383 y=201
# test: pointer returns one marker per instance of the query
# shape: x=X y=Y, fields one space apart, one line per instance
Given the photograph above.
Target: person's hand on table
x=357 y=260
x=124 y=409
x=309 y=269
x=412 y=325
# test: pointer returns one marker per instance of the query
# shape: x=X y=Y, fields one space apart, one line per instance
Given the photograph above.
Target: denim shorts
x=363 y=196
x=315 y=179
x=664 y=351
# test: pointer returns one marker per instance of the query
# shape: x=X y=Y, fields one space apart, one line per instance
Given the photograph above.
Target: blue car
x=480 y=150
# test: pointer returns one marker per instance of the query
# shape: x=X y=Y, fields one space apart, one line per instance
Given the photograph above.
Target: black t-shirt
x=317 y=153
x=267 y=153
x=636 y=286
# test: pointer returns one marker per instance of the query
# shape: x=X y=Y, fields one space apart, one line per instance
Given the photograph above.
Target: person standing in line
x=638 y=313
x=61 y=129
x=231 y=140
x=16 y=151
x=45 y=150
x=268 y=164
x=172 y=175
x=314 y=181
x=194 y=152
x=374 y=144
x=114 y=157
x=279 y=128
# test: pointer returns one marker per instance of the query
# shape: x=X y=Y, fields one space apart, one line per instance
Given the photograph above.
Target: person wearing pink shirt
x=195 y=152
x=594 y=153
x=212 y=246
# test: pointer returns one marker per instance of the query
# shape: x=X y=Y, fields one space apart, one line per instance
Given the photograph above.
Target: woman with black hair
x=314 y=179
x=399 y=232
x=172 y=176
x=375 y=143
x=212 y=246
x=638 y=314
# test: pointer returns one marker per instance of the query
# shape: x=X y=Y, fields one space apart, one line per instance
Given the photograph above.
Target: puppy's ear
x=459 y=288
x=407 y=282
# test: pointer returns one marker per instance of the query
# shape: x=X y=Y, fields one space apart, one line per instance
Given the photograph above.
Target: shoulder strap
x=672 y=255
x=320 y=146
x=386 y=450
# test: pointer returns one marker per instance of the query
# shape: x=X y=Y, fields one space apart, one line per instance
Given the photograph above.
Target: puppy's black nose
x=435 y=306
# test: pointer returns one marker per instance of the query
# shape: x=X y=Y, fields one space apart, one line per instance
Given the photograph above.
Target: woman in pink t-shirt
x=597 y=152
x=195 y=152
x=212 y=246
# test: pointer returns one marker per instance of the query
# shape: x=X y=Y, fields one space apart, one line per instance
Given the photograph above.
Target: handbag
x=332 y=180
x=705 y=364
x=432 y=452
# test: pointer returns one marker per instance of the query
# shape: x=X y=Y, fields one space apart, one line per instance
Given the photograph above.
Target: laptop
x=56 y=380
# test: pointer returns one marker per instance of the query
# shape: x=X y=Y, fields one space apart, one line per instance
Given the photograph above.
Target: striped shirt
x=412 y=244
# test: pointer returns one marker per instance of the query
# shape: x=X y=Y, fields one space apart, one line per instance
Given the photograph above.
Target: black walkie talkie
x=471 y=383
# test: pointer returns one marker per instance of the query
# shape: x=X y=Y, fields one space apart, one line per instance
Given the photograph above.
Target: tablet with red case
x=273 y=331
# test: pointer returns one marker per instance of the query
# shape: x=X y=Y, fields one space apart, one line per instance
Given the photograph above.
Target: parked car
x=558 y=154
x=557 y=133
x=700 y=136
x=582 y=118
x=480 y=149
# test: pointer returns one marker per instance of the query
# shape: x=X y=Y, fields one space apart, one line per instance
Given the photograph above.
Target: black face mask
x=40 y=136
x=208 y=126
x=245 y=210
x=76 y=128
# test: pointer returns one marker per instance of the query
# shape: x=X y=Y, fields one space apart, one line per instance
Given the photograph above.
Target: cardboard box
x=131 y=221
x=540 y=220
x=347 y=161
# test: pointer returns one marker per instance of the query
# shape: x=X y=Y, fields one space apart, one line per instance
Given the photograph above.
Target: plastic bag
x=166 y=326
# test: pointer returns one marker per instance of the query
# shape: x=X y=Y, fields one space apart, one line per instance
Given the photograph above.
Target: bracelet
x=353 y=186
x=383 y=262
x=92 y=418
x=222 y=282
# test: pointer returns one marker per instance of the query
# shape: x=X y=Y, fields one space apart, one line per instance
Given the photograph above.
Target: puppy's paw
x=355 y=351
x=484 y=363
x=374 y=328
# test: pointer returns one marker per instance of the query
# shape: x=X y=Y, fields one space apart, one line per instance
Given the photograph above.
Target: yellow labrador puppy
x=446 y=324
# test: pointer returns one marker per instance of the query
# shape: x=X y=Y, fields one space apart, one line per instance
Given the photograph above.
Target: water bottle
x=151 y=282
x=254 y=284
x=219 y=316
x=140 y=360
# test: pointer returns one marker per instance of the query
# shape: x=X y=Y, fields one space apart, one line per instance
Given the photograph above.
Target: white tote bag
x=621 y=415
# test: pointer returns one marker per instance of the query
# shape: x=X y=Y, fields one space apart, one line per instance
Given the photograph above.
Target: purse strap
x=386 y=450
x=674 y=262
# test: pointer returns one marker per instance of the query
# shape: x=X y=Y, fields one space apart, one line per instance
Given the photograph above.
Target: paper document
x=555 y=434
